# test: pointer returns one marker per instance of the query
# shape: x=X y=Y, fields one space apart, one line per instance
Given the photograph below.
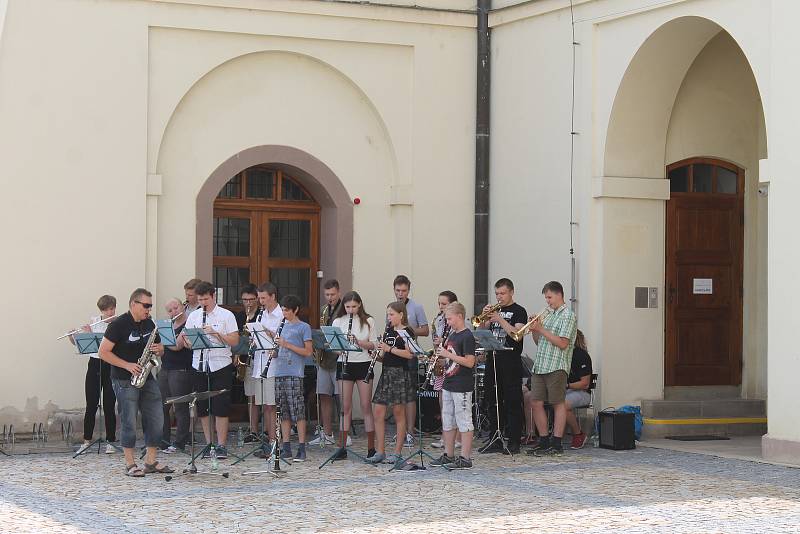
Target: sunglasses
x=145 y=305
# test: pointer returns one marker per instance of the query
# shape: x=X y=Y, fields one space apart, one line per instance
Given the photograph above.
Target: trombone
x=77 y=330
x=522 y=332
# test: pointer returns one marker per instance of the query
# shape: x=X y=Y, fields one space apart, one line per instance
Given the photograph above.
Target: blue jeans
x=148 y=401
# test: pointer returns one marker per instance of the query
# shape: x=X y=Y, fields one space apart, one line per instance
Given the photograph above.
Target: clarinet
x=274 y=351
x=429 y=375
x=348 y=336
x=376 y=353
x=201 y=363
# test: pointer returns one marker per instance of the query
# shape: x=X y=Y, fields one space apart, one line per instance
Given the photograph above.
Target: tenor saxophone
x=147 y=361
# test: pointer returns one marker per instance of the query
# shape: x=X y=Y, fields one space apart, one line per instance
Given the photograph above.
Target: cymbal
x=197 y=395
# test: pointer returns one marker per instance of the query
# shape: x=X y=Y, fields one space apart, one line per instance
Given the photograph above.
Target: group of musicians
x=273 y=379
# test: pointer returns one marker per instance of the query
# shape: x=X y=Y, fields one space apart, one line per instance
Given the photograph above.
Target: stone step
x=718 y=426
x=670 y=409
x=702 y=392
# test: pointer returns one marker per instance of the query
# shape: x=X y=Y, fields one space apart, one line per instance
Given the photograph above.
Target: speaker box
x=617 y=431
x=431 y=415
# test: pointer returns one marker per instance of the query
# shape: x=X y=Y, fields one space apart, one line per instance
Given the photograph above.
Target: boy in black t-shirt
x=578 y=394
x=122 y=346
x=510 y=318
x=459 y=368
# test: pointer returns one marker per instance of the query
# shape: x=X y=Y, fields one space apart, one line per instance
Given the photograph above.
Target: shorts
x=355 y=371
x=577 y=399
x=263 y=390
x=326 y=381
x=219 y=379
x=250 y=383
x=549 y=387
x=456 y=411
x=289 y=398
x=395 y=386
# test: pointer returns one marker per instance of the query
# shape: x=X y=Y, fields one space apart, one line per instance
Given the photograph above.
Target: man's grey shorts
x=577 y=399
x=326 y=382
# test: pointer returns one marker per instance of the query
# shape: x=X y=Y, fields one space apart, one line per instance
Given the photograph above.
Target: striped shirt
x=562 y=323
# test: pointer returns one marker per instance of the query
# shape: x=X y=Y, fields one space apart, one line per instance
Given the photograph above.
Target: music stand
x=486 y=340
x=336 y=340
x=417 y=351
x=166 y=332
x=259 y=340
x=192 y=398
x=89 y=343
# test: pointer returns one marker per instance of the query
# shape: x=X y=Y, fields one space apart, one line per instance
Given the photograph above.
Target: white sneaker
x=172 y=449
x=409 y=440
x=82 y=448
x=349 y=441
x=438 y=444
x=110 y=448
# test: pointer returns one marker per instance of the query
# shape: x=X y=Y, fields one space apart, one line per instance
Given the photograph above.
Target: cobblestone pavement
x=592 y=490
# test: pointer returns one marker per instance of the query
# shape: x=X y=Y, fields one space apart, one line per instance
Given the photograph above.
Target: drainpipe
x=482 y=114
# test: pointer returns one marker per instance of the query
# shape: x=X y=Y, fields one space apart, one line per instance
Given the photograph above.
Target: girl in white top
x=352 y=319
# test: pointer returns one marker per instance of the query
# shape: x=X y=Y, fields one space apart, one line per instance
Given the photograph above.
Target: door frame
x=671 y=264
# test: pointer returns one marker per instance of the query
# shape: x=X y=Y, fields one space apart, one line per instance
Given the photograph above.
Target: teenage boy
x=98 y=378
x=327 y=385
x=294 y=342
x=508 y=363
x=191 y=303
x=213 y=367
x=419 y=324
x=459 y=369
x=555 y=337
x=265 y=391
x=250 y=314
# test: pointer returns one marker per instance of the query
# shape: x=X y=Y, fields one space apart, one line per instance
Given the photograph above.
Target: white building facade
x=668 y=170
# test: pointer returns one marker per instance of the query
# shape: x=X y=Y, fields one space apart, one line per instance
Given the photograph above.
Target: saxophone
x=147 y=361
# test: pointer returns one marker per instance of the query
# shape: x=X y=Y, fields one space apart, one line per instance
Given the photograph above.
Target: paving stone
x=592 y=490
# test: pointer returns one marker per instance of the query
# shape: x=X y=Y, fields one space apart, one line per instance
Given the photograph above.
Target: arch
x=336 y=225
x=642 y=109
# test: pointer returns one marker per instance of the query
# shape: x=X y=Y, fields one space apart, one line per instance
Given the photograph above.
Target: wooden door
x=704 y=264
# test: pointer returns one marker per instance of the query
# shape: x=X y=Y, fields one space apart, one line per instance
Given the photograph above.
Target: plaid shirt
x=562 y=323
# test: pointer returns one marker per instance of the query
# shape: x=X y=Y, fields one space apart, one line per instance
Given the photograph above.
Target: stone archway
x=336 y=225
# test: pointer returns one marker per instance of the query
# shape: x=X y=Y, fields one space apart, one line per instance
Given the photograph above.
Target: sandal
x=134 y=471
x=153 y=468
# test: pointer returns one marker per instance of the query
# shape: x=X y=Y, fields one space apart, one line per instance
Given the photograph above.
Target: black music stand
x=89 y=343
x=335 y=340
x=417 y=351
x=192 y=398
x=486 y=340
x=259 y=340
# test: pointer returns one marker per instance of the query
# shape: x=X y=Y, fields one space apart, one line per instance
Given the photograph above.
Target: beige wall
x=120 y=116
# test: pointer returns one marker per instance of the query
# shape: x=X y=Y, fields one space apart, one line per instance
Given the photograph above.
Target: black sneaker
x=222 y=453
x=442 y=460
x=544 y=444
x=511 y=448
x=371 y=453
x=341 y=454
x=555 y=449
x=251 y=438
x=459 y=463
x=207 y=453
x=496 y=446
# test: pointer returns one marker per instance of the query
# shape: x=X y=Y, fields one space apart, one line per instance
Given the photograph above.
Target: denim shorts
x=146 y=400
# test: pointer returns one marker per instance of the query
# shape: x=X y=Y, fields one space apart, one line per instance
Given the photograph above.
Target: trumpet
x=476 y=320
x=77 y=330
x=522 y=332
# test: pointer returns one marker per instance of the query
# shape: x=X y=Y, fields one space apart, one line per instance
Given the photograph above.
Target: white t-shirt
x=363 y=332
x=224 y=322
x=270 y=320
x=99 y=329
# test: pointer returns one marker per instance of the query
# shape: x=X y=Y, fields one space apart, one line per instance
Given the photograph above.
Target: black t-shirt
x=392 y=360
x=129 y=338
x=458 y=378
x=176 y=359
x=513 y=314
x=581 y=365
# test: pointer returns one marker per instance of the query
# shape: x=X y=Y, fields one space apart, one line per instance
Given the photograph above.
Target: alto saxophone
x=147 y=361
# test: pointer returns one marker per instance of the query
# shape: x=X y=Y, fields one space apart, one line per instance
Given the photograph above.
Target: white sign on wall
x=702 y=286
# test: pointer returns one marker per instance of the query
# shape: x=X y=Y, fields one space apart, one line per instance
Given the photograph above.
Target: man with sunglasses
x=122 y=346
